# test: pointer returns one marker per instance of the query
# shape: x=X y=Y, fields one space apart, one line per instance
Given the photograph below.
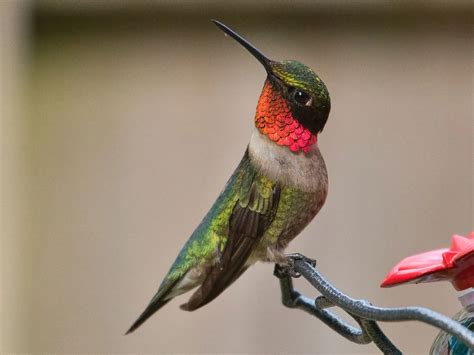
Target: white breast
x=280 y=164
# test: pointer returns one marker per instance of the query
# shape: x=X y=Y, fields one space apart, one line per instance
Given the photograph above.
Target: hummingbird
x=278 y=187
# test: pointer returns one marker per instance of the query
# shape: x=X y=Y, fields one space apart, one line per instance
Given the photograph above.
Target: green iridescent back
x=212 y=231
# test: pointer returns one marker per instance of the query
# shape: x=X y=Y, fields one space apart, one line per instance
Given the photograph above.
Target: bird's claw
x=292 y=258
x=281 y=271
x=298 y=256
x=288 y=269
x=291 y=268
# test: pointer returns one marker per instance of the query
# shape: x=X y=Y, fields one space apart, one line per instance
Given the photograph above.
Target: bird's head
x=294 y=105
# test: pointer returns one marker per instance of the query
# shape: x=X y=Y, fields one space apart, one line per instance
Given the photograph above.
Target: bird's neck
x=302 y=170
x=275 y=120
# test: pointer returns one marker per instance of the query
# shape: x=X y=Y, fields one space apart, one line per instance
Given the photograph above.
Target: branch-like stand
x=362 y=311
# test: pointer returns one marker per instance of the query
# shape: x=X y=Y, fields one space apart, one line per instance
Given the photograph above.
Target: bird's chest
x=305 y=172
x=304 y=182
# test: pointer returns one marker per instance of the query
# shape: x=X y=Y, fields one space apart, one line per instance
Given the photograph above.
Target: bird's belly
x=295 y=210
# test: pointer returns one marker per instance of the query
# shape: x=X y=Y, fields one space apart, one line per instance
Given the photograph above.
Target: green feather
x=211 y=233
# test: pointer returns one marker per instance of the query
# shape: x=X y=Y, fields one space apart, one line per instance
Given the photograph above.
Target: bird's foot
x=287 y=268
x=298 y=256
x=281 y=271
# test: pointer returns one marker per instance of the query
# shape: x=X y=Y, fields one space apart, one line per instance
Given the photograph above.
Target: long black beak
x=246 y=44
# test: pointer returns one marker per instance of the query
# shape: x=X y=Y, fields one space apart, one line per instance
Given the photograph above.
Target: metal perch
x=362 y=311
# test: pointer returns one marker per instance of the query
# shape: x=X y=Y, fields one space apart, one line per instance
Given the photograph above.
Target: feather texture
x=253 y=212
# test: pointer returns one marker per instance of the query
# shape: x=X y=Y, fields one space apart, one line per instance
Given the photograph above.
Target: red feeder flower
x=455 y=264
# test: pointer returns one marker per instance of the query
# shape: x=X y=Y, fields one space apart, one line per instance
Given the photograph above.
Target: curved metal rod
x=293 y=299
x=378 y=337
x=365 y=311
x=369 y=328
x=368 y=332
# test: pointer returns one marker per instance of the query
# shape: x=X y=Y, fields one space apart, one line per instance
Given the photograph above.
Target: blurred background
x=122 y=120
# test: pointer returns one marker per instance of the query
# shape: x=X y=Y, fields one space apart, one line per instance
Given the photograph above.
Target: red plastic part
x=455 y=264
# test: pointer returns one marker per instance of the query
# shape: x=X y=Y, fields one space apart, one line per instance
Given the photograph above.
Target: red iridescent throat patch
x=274 y=119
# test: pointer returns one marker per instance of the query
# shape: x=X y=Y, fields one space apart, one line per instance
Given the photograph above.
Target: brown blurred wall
x=135 y=114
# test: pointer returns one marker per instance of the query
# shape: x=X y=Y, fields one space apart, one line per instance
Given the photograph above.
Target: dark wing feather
x=251 y=216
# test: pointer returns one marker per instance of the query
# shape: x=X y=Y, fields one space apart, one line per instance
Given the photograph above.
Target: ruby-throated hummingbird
x=276 y=190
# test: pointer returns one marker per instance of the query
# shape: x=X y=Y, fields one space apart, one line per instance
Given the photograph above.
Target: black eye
x=301 y=97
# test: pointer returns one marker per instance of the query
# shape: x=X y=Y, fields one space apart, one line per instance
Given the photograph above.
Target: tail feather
x=161 y=298
x=147 y=313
